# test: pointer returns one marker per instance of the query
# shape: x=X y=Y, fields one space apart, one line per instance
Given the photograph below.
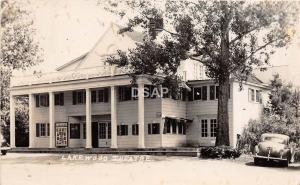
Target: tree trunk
x=223 y=120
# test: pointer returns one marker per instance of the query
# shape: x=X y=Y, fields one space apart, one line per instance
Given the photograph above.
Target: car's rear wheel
x=256 y=161
x=285 y=163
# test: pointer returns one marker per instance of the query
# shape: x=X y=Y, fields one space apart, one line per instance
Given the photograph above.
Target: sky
x=67 y=29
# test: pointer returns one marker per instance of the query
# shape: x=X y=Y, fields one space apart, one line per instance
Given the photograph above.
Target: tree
x=280 y=115
x=19 y=50
x=229 y=38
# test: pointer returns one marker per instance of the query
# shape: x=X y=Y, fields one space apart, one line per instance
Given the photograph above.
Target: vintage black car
x=273 y=147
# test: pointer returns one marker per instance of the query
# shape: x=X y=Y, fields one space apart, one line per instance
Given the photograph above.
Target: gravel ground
x=55 y=169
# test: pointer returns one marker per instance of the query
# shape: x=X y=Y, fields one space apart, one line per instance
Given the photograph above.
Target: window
x=258 y=96
x=42 y=100
x=197 y=93
x=109 y=130
x=124 y=93
x=79 y=97
x=122 y=130
x=59 y=99
x=103 y=95
x=204 y=93
x=135 y=129
x=42 y=129
x=251 y=94
x=153 y=128
x=212 y=92
x=102 y=130
x=204 y=128
x=213 y=127
x=74 y=130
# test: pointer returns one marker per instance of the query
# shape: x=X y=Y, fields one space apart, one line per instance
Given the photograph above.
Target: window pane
x=213 y=127
x=101 y=95
x=155 y=128
x=102 y=130
x=74 y=131
x=197 y=93
x=204 y=128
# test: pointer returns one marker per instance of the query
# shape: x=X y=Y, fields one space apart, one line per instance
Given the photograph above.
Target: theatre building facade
x=88 y=103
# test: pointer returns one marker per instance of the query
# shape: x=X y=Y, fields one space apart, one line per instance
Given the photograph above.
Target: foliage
x=280 y=116
x=229 y=37
x=19 y=50
x=220 y=152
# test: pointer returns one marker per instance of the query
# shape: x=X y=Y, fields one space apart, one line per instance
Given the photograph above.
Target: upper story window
x=100 y=95
x=42 y=100
x=59 y=99
x=200 y=93
x=125 y=93
x=79 y=97
x=258 y=96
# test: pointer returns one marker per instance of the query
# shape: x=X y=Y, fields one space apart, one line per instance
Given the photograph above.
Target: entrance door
x=61 y=133
x=104 y=134
x=95 y=135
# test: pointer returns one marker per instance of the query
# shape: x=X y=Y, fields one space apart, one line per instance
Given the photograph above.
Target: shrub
x=221 y=152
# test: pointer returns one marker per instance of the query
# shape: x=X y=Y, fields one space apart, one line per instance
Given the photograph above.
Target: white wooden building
x=88 y=103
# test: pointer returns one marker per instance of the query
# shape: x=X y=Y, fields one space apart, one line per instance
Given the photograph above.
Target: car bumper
x=270 y=158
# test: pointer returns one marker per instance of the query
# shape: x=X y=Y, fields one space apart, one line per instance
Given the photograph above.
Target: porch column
x=31 y=122
x=113 y=100
x=88 y=115
x=12 y=122
x=141 y=112
x=51 y=120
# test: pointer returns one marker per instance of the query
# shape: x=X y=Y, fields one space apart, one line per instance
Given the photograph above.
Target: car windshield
x=274 y=139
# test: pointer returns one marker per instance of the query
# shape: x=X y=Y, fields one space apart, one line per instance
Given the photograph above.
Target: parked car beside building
x=273 y=147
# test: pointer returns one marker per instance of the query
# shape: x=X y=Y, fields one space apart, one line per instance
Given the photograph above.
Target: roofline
x=71 y=62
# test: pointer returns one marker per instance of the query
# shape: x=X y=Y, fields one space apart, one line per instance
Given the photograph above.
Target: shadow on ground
x=272 y=164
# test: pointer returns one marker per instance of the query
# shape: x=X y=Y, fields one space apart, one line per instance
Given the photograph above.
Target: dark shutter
x=94 y=96
x=37 y=100
x=149 y=129
x=37 y=130
x=190 y=94
x=212 y=92
x=106 y=94
x=48 y=129
x=74 y=97
x=61 y=99
x=204 y=93
x=118 y=130
x=47 y=100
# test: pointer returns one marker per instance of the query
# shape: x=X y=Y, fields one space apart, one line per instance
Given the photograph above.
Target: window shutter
x=106 y=94
x=61 y=99
x=74 y=97
x=48 y=129
x=37 y=100
x=190 y=94
x=149 y=128
x=204 y=93
x=47 y=100
x=37 y=130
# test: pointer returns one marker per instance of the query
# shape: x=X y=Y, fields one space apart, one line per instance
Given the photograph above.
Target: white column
x=113 y=100
x=51 y=120
x=31 y=122
x=88 y=110
x=12 y=122
x=141 y=112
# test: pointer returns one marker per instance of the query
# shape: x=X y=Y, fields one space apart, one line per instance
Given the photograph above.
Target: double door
x=101 y=134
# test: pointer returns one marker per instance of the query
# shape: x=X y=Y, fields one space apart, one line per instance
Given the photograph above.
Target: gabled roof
x=72 y=61
x=134 y=36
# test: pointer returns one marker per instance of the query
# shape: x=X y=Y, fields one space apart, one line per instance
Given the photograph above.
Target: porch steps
x=180 y=151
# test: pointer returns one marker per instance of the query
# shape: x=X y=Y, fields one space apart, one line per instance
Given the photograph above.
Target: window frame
x=204 y=128
x=213 y=127
x=71 y=136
